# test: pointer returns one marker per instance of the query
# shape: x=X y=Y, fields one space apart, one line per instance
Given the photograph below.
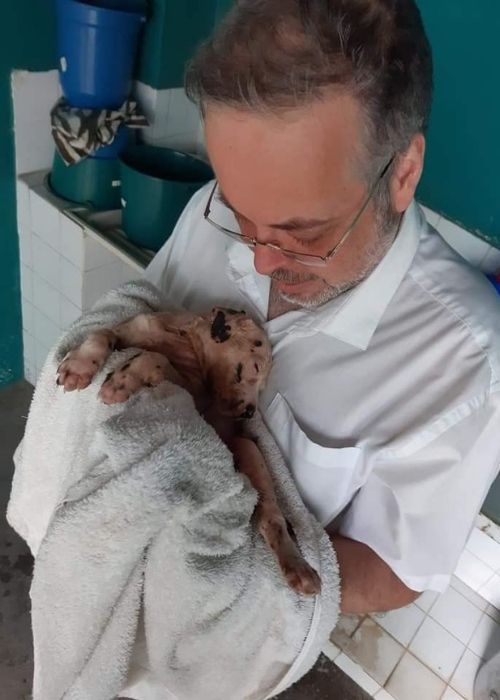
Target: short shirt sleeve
x=418 y=507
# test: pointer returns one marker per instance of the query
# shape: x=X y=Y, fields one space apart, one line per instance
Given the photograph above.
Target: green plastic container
x=157 y=183
x=94 y=182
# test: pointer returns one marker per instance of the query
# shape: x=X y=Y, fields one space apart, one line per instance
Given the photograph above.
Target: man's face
x=291 y=180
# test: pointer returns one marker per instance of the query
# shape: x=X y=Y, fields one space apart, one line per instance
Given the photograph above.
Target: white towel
x=137 y=508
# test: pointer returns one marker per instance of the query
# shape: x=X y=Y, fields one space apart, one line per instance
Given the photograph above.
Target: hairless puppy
x=223 y=359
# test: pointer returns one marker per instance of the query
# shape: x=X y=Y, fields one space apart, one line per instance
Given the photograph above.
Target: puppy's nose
x=249 y=411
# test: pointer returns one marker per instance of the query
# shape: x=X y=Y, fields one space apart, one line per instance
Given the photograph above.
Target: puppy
x=223 y=359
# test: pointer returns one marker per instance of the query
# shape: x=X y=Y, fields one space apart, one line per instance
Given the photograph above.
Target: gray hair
x=276 y=55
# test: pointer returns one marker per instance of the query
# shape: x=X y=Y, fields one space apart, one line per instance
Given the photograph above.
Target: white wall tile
x=27 y=283
x=98 y=281
x=97 y=255
x=456 y=614
x=29 y=349
x=413 y=681
x=486 y=639
x=493 y=612
x=71 y=282
x=47 y=261
x=25 y=247
x=44 y=219
x=34 y=95
x=437 y=648
x=46 y=299
x=30 y=374
x=403 y=623
x=69 y=312
x=46 y=332
x=129 y=274
x=41 y=353
x=27 y=315
x=375 y=650
x=23 y=205
x=357 y=674
x=484 y=548
x=463 y=678
x=473 y=571
x=72 y=241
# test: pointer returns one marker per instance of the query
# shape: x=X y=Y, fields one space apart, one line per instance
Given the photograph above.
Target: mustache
x=282 y=275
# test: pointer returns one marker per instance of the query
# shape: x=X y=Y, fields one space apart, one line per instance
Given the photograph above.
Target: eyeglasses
x=302 y=258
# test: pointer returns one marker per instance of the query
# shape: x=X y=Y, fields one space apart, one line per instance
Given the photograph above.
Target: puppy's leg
x=81 y=365
x=272 y=525
x=146 y=369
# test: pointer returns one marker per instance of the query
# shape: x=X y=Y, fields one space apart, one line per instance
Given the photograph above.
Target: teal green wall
x=172 y=33
x=26 y=41
x=461 y=178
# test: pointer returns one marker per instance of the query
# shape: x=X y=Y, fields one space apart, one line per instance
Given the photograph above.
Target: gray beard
x=330 y=292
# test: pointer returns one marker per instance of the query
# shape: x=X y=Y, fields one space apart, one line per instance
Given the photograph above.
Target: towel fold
x=135 y=513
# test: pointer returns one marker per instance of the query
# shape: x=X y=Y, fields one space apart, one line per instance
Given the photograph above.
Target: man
x=384 y=392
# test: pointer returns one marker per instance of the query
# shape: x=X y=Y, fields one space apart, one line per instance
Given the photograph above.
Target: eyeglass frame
x=319 y=260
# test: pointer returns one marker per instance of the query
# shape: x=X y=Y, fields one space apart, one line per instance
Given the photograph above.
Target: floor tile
x=469 y=593
x=437 y=648
x=486 y=639
x=491 y=591
x=357 y=674
x=472 y=571
x=463 y=678
x=456 y=614
x=450 y=694
x=383 y=695
x=413 y=681
x=401 y=624
x=484 y=548
x=346 y=626
x=331 y=651
x=375 y=650
x=426 y=600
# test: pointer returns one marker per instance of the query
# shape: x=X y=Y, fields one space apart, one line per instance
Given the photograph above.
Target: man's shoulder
x=449 y=285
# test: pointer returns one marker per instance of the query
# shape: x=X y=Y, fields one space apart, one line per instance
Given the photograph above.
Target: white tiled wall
x=175 y=121
x=433 y=648
x=64 y=270
x=34 y=95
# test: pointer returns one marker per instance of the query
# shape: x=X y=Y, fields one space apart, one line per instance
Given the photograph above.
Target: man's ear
x=407 y=173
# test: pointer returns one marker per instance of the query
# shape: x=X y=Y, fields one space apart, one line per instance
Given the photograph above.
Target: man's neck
x=277 y=305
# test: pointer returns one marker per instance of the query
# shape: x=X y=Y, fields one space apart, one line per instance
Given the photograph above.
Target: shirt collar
x=352 y=318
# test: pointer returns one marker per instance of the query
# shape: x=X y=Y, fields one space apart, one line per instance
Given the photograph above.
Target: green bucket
x=94 y=182
x=157 y=183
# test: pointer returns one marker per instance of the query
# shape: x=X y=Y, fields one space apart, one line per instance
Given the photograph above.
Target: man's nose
x=267 y=260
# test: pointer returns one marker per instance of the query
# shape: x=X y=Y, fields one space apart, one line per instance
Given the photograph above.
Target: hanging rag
x=79 y=133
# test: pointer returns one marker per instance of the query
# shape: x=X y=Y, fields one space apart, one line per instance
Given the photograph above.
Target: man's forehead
x=304 y=156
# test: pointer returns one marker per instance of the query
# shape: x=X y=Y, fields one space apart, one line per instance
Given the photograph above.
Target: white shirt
x=385 y=401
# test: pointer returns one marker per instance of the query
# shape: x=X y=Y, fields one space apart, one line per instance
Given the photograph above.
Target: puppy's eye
x=258 y=343
x=257 y=368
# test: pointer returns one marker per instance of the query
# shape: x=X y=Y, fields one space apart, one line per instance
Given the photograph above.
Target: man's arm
x=368 y=583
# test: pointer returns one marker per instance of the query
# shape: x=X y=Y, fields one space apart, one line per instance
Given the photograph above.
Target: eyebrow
x=295 y=224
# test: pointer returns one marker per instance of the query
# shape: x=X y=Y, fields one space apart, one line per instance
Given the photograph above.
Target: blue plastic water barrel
x=97 y=45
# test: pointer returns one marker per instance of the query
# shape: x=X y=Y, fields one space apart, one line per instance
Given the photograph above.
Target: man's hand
x=368 y=583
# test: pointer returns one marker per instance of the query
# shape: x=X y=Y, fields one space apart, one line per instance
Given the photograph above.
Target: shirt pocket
x=327 y=478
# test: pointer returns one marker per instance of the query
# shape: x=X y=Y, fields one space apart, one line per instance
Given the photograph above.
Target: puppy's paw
x=300 y=576
x=147 y=369
x=77 y=370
